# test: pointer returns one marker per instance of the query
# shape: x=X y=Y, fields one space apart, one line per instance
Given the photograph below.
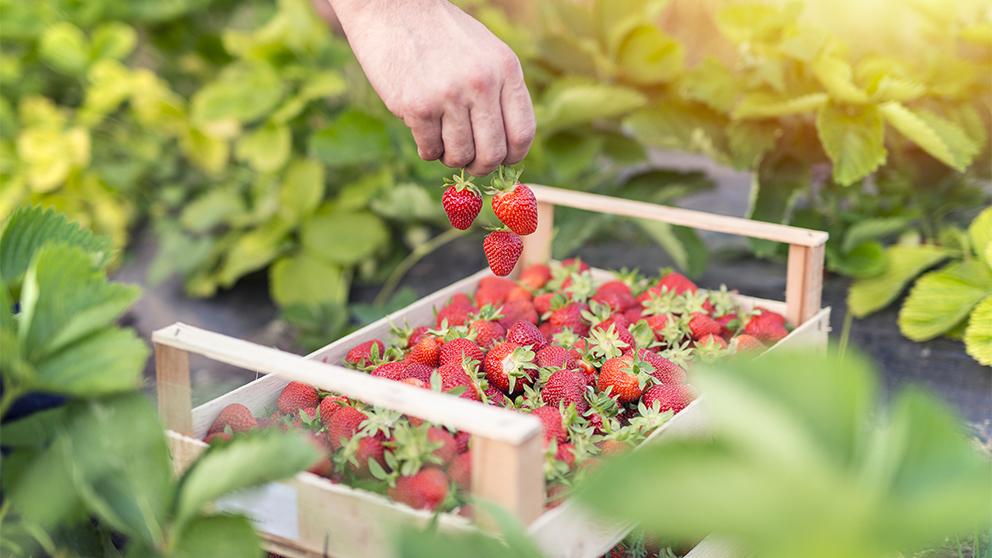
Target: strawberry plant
x=93 y=476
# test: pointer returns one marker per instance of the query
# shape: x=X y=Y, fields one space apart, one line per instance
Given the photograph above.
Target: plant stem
x=845 y=332
x=408 y=262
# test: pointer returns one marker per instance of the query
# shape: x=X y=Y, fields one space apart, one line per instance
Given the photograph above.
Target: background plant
x=94 y=476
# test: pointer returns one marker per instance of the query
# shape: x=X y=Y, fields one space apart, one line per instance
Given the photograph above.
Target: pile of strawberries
x=514 y=205
x=601 y=364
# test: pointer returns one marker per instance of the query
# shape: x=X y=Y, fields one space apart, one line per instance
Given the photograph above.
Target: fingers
x=490 y=138
x=456 y=133
x=518 y=115
x=426 y=129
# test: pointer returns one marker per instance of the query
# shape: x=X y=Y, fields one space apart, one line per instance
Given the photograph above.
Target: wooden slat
x=175 y=400
x=510 y=476
x=537 y=246
x=473 y=417
x=804 y=282
x=678 y=216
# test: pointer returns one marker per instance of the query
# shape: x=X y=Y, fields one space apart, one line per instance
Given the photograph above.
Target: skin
x=458 y=88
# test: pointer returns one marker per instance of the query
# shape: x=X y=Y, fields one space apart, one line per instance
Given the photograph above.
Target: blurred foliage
x=804 y=461
x=954 y=300
x=94 y=477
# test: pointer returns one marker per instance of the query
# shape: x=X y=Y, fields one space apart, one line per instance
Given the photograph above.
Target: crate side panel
x=257 y=395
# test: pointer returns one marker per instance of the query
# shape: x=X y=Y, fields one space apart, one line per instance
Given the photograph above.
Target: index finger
x=518 y=116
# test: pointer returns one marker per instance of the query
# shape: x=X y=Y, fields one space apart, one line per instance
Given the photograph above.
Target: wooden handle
x=507 y=457
x=804 y=282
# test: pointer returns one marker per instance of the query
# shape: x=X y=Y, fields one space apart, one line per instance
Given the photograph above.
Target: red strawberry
x=424 y=490
x=455 y=350
x=519 y=293
x=509 y=367
x=416 y=382
x=616 y=294
x=463 y=439
x=702 y=325
x=535 y=276
x=487 y=332
x=570 y=316
x=427 y=350
x=461 y=299
x=330 y=405
x=344 y=424
x=449 y=447
x=715 y=340
x=565 y=387
x=454 y=314
x=548 y=330
x=461 y=471
x=576 y=264
x=552 y=356
x=670 y=397
x=517 y=310
x=551 y=420
x=369 y=448
x=542 y=303
x=496 y=397
x=493 y=290
x=767 y=326
x=236 y=416
x=390 y=370
x=526 y=333
x=724 y=322
x=657 y=323
x=363 y=353
x=461 y=201
x=745 y=343
x=622 y=374
x=514 y=203
x=502 y=250
x=676 y=282
x=634 y=313
x=454 y=376
x=296 y=396
x=217 y=437
x=566 y=454
x=665 y=371
x=415 y=335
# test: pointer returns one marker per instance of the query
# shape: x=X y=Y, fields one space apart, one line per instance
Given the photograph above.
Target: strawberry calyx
x=462 y=182
x=505 y=179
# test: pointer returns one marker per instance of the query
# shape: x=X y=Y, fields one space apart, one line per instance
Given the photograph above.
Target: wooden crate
x=310 y=516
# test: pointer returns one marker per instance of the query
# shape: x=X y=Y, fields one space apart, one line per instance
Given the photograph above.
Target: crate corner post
x=175 y=398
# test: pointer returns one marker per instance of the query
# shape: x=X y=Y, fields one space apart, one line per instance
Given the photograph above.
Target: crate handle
x=507 y=449
x=804 y=281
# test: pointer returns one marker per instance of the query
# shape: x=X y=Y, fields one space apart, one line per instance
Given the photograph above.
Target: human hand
x=457 y=87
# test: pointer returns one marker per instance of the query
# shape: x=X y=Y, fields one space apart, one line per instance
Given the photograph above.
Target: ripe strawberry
x=296 y=396
x=677 y=283
x=502 y=250
x=625 y=375
x=552 y=356
x=726 y=321
x=767 y=326
x=509 y=367
x=517 y=310
x=417 y=371
x=519 y=293
x=330 y=405
x=657 y=323
x=634 y=313
x=461 y=201
x=570 y=316
x=551 y=420
x=427 y=350
x=362 y=354
x=526 y=334
x=566 y=454
x=390 y=370
x=454 y=376
x=565 y=387
x=236 y=416
x=461 y=471
x=615 y=294
x=217 y=438
x=746 y=343
x=535 y=276
x=542 y=303
x=369 y=448
x=712 y=340
x=575 y=264
x=548 y=330
x=463 y=439
x=344 y=424
x=454 y=314
x=449 y=447
x=457 y=349
x=514 y=203
x=487 y=332
x=670 y=397
x=493 y=290
x=665 y=371
x=496 y=397
x=702 y=325
x=424 y=490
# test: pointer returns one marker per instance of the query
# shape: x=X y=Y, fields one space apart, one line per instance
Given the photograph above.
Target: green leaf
x=864 y=260
x=109 y=361
x=120 y=464
x=63 y=47
x=712 y=83
x=941 y=299
x=35 y=430
x=683 y=245
x=574 y=103
x=265 y=148
x=344 y=238
x=939 y=137
x=305 y=279
x=205 y=151
x=31 y=227
x=772 y=105
x=64 y=299
x=218 y=535
x=406 y=203
x=301 y=190
x=252 y=250
x=978 y=335
x=44 y=493
x=353 y=138
x=246 y=461
x=572 y=152
x=678 y=125
x=905 y=262
x=853 y=139
x=980 y=234
x=214 y=207
x=648 y=56
x=836 y=76
x=112 y=40
x=242 y=93
x=873 y=229
x=775 y=188
x=749 y=141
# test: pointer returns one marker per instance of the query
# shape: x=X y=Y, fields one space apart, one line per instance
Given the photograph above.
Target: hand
x=457 y=87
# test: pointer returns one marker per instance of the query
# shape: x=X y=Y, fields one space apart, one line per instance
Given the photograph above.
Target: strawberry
x=390 y=370
x=665 y=371
x=296 y=396
x=344 y=424
x=625 y=376
x=461 y=201
x=362 y=354
x=526 y=334
x=453 y=375
x=517 y=310
x=330 y=405
x=767 y=326
x=566 y=454
x=235 y=416
x=677 y=283
x=615 y=294
x=548 y=330
x=454 y=314
x=542 y=303
x=565 y=387
x=746 y=343
x=454 y=351
x=417 y=371
x=502 y=249
x=513 y=203
x=369 y=448
x=415 y=382
x=570 y=316
x=487 y=332
x=729 y=323
x=712 y=340
x=427 y=350
x=575 y=264
x=552 y=356
x=551 y=420
x=701 y=325
x=217 y=438
x=462 y=438
x=424 y=490
x=657 y=323
x=493 y=290
x=461 y=471
x=449 y=447
x=509 y=367
x=535 y=276
x=669 y=397
x=634 y=313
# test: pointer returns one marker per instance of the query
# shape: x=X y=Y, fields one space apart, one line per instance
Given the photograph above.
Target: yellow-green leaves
x=266 y=148
x=853 y=137
x=344 y=238
x=307 y=280
x=836 y=76
x=904 y=263
x=942 y=299
x=65 y=48
x=936 y=135
x=579 y=102
x=762 y=104
x=50 y=153
x=354 y=137
x=978 y=334
x=980 y=235
x=648 y=56
x=242 y=93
